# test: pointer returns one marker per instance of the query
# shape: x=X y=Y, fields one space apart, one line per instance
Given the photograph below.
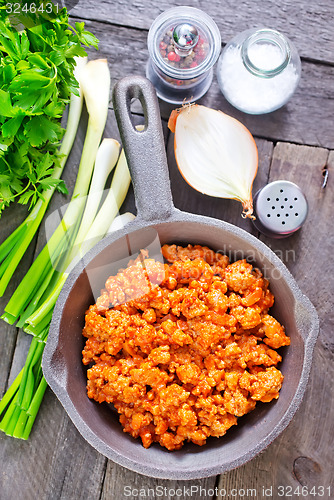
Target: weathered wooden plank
x=185 y=198
x=61 y=474
x=189 y=200
x=55 y=460
x=55 y=463
x=120 y=484
x=302 y=455
x=295 y=19
x=306 y=119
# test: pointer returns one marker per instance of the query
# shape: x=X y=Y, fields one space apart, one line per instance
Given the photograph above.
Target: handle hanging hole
x=136 y=114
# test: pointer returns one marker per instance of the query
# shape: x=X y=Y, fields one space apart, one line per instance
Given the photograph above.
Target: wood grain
x=187 y=199
x=295 y=19
x=53 y=463
x=56 y=463
x=306 y=119
x=302 y=454
x=119 y=482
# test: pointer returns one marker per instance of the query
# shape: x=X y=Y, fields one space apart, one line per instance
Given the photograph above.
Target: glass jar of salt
x=259 y=70
x=184 y=43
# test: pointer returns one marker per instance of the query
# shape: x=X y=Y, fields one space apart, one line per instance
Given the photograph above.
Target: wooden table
x=295 y=143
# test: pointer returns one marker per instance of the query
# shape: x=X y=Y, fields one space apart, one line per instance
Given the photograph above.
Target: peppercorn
x=172 y=56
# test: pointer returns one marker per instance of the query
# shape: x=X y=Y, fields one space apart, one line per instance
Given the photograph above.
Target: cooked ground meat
x=183 y=349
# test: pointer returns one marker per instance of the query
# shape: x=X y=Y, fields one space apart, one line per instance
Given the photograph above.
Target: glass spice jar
x=259 y=70
x=184 y=43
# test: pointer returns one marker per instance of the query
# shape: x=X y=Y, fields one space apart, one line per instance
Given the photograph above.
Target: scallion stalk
x=15 y=246
x=34 y=299
x=59 y=243
x=106 y=159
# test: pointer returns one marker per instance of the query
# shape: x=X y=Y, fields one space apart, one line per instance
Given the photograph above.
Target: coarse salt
x=265 y=56
x=251 y=93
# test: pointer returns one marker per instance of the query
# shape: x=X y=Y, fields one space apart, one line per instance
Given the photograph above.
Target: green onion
x=20 y=394
x=106 y=160
x=83 y=223
x=116 y=195
x=95 y=75
x=15 y=246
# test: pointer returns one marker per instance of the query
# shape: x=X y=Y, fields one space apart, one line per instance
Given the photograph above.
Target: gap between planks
x=305 y=119
x=297 y=19
x=111 y=473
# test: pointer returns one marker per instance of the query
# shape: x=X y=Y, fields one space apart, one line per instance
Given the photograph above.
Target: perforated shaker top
x=281 y=208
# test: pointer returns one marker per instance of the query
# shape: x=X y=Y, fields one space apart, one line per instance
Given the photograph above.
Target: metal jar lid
x=185 y=37
x=280 y=209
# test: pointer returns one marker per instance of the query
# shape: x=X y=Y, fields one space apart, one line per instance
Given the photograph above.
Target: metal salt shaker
x=280 y=209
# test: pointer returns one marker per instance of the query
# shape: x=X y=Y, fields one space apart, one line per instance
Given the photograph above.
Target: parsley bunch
x=36 y=81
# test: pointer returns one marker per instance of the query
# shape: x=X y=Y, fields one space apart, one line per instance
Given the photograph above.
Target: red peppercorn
x=193 y=64
x=177 y=58
x=162 y=45
x=172 y=56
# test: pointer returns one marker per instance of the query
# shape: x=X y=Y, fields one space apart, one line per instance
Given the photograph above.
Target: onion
x=215 y=153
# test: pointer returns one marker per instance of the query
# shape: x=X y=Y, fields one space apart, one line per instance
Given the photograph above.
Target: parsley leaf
x=39 y=129
x=36 y=81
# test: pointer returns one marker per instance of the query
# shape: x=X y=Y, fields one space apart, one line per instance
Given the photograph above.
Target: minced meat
x=182 y=349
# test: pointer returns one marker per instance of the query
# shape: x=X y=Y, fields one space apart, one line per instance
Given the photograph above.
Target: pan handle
x=145 y=150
